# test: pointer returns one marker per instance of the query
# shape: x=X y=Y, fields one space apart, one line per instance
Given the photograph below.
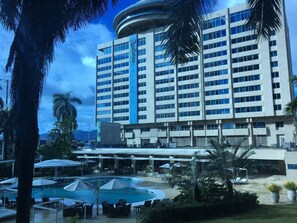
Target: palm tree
x=225 y=162
x=63 y=107
x=37 y=26
x=184 y=31
x=1 y=101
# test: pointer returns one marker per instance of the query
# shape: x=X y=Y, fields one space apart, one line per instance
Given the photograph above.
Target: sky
x=74 y=67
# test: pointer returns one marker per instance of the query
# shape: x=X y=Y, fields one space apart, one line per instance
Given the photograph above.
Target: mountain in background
x=79 y=135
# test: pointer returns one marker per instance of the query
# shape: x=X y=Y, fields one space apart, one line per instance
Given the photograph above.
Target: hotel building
x=236 y=88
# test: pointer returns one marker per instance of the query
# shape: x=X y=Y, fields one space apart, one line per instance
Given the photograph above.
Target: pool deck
x=256 y=185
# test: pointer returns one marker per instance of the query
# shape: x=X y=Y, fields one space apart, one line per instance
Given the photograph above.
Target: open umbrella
x=42 y=182
x=115 y=184
x=81 y=185
x=55 y=163
x=10 y=181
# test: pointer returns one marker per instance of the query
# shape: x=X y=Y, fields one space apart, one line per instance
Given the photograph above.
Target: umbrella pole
x=97 y=200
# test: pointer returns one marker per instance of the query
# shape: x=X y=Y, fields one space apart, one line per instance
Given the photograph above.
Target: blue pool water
x=131 y=195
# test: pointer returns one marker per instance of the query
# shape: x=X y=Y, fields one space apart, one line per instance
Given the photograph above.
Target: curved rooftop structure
x=140 y=17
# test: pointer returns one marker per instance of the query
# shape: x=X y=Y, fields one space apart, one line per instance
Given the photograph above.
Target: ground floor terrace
x=275 y=132
x=139 y=160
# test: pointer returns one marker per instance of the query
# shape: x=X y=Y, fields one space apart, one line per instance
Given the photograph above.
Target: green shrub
x=274 y=188
x=290 y=185
x=198 y=211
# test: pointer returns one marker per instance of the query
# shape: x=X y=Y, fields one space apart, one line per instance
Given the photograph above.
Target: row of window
x=167 y=106
x=246 y=78
x=188 y=77
x=217 y=92
x=243 y=39
x=189 y=113
x=216 y=73
x=215 y=63
x=188 y=95
x=216 y=82
x=239 y=16
x=121 y=72
x=248 y=109
x=165 y=89
x=248 y=99
x=247 y=88
x=215 y=54
x=245 y=68
x=240 y=29
x=121 y=56
x=218 y=101
x=189 y=104
x=165 y=81
x=214 y=45
x=165 y=98
x=187 y=68
x=220 y=21
x=104 y=60
x=126 y=64
x=120 y=80
x=218 y=111
x=164 y=72
x=245 y=48
x=245 y=58
x=188 y=86
x=214 y=35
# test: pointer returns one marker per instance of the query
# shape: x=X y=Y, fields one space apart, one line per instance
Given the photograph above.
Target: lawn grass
x=262 y=214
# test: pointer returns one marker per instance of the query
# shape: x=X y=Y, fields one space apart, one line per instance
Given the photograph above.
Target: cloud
x=89 y=62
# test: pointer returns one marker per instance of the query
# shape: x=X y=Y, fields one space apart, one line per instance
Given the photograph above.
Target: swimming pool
x=131 y=195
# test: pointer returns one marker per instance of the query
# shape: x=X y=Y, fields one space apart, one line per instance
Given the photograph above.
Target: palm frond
x=182 y=36
x=291 y=108
x=265 y=16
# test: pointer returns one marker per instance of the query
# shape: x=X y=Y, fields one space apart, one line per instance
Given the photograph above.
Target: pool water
x=131 y=195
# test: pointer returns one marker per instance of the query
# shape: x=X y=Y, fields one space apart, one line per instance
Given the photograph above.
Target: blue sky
x=74 y=66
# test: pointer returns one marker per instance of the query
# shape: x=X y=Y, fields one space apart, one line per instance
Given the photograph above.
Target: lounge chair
x=104 y=207
x=155 y=203
x=89 y=210
x=147 y=204
x=121 y=203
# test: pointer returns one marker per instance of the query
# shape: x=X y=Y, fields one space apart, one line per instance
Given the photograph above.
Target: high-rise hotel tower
x=237 y=88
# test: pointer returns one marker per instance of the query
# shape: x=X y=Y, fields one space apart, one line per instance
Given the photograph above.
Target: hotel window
x=103 y=105
x=142 y=100
x=140 y=117
x=216 y=73
x=214 y=35
x=141 y=52
x=273 y=53
x=228 y=126
x=277 y=107
x=164 y=72
x=141 y=68
x=165 y=115
x=259 y=125
x=120 y=80
x=246 y=78
x=121 y=65
x=142 y=108
x=248 y=109
x=116 y=73
x=217 y=82
x=159 y=48
x=104 y=60
x=103 y=90
x=279 y=125
x=212 y=127
x=104 y=83
x=164 y=64
x=218 y=111
x=141 y=41
x=121 y=95
x=214 y=45
x=217 y=92
x=239 y=16
x=188 y=95
x=275 y=85
x=106 y=50
x=215 y=54
x=104 y=68
x=247 y=88
x=245 y=48
x=165 y=98
x=121 y=56
x=159 y=37
x=101 y=76
x=165 y=81
x=166 y=106
x=120 y=47
x=119 y=88
x=274 y=74
x=118 y=103
x=241 y=29
x=123 y=110
x=248 y=99
x=215 y=63
x=243 y=39
x=188 y=86
x=245 y=58
x=165 y=89
x=214 y=22
x=188 y=68
x=272 y=43
x=218 y=101
x=143 y=60
x=241 y=125
x=188 y=77
x=276 y=96
x=189 y=104
x=124 y=118
x=142 y=84
x=189 y=113
x=107 y=112
x=104 y=97
x=274 y=64
x=246 y=68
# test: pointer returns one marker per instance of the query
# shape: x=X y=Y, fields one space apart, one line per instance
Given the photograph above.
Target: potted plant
x=274 y=190
x=291 y=190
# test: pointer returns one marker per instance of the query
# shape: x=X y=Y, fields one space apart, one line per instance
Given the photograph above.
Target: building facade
x=236 y=88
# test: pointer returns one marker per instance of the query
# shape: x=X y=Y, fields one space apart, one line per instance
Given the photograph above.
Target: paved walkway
x=256 y=185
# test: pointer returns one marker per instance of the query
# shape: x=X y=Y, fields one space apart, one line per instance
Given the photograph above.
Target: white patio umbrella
x=165 y=166
x=115 y=184
x=43 y=182
x=10 y=181
x=56 y=163
x=81 y=185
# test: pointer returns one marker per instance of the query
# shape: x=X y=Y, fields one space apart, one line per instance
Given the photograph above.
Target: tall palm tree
x=1 y=101
x=37 y=26
x=184 y=30
x=63 y=106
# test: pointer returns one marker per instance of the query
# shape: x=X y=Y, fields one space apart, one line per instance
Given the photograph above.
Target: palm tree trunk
x=26 y=85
